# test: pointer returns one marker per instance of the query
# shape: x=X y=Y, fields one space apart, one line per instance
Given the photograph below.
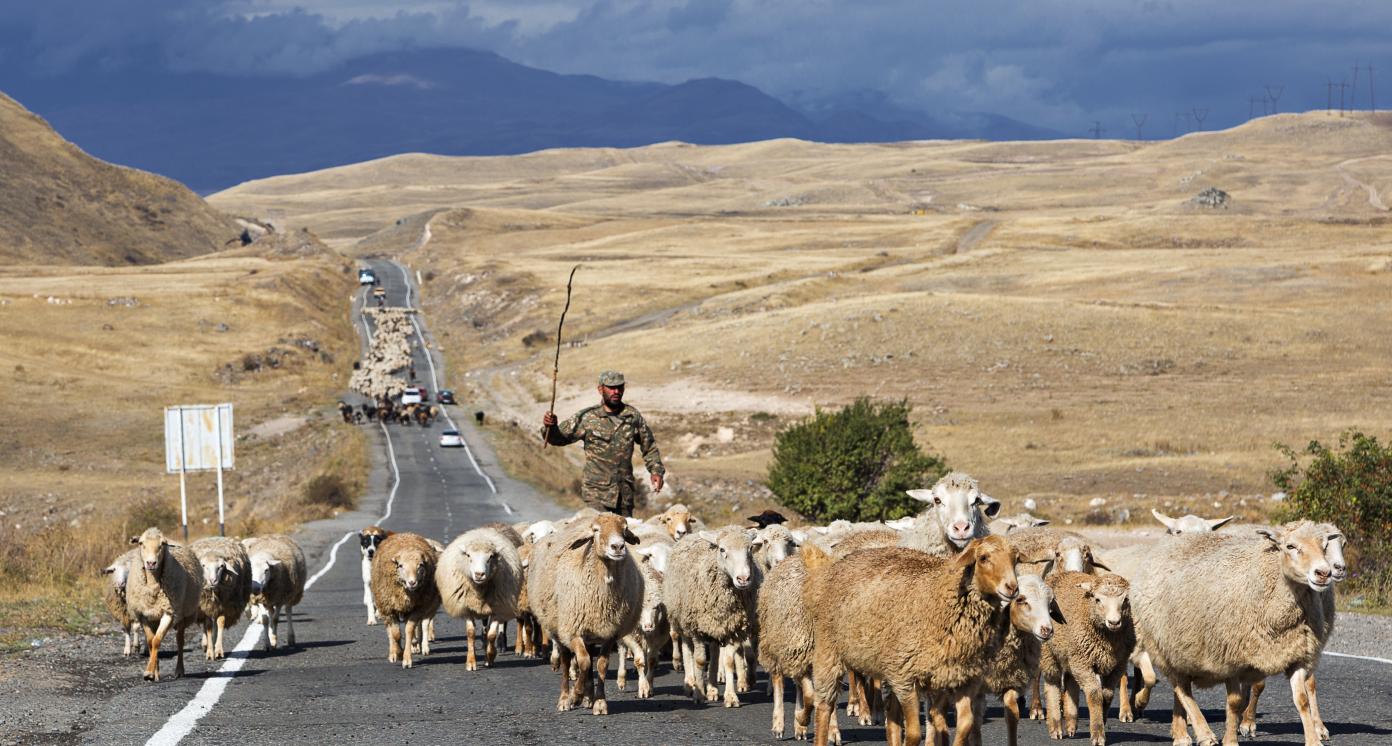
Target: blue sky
x=1057 y=63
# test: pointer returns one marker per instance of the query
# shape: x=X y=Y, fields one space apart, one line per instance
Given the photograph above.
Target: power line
x=1200 y=115
x=1275 y=97
x=1140 y=120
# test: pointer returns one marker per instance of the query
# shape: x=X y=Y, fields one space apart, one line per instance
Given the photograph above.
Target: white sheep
x=956 y=514
x=277 y=583
x=226 y=589
x=710 y=590
x=645 y=641
x=163 y=594
x=479 y=577
x=115 y=597
x=1197 y=617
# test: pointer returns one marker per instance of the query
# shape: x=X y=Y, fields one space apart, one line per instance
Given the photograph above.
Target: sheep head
x=414 y=567
x=1075 y=555
x=780 y=543
x=215 y=571
x=609 y=534
x=1189 y=524
x=152 y=549
x=261 y=564
x=958 y=505
x=119 y=572
x=989 y=562
x=656 y=556
x=734 y=550
x=1334 y=550
x=1110 y=605
x=1302 y=546
x=538 y=531
x=677 y=520
x=1034 y=610
x=483 y=560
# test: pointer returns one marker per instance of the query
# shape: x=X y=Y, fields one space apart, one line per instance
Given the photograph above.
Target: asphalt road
x=337 y=686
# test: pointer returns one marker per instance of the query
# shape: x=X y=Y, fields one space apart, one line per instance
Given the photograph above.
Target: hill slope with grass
x=59 y=205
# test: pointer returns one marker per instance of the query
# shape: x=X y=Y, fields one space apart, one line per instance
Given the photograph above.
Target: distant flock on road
x=946 y=608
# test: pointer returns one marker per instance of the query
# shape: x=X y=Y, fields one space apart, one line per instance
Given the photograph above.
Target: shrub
x=854 y=463
x=1351 y=487
x=328 y=490
x=162 y=513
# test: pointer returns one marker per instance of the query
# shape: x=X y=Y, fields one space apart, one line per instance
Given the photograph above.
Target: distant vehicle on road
x=446 y=396
x=451 y=439
x=367 y=277
x=411 y=395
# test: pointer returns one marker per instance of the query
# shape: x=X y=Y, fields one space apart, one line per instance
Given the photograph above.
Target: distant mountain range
x=214 y=131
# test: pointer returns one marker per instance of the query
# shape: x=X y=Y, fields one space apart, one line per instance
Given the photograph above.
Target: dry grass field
x=1067 y=324
x=93 y=355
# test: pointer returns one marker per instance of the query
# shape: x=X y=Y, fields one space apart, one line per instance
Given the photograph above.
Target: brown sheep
x=163 y=592
x=1090 y=649
x=924 y=625
x=403 y=587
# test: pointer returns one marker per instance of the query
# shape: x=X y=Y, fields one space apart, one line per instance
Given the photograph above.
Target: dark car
x=446 y=396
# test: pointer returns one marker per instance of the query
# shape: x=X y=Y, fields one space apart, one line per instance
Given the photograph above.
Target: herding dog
x=368 y=539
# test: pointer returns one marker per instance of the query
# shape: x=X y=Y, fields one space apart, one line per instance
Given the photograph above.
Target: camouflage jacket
x=609 y=441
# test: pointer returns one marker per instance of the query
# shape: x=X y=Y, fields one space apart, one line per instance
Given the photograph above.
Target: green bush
x=1351 y=487
x=854 y=463
x=161 y=512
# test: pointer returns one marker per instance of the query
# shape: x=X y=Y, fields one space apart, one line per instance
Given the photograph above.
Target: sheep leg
x=601 y=667
x=677 y=649
x=1070 y=705
x=562 y=656
x=130 y=640
x=1097 y=710
x=729 y=663
x=154 y=639
x=209 y=636
x=1146 y=671
x=937 y=715
x=1301 y=695
x=776 y=681
x=290 y=625
x=690 y=680
x=874 y=692
x=1203 y=735
x=412 y=629
x=502 y=633
x=490 y=650
x=645 y=663
x=707 y=662
x=1036 y=710
x=179 y=653
x=221 y=629
x=470 y=660
x=1248 y=726
x=524 y=631
x=1124 y=713
x=1011 y=700
x=1314 y=707
x=1236 y=704
x=393 y=639
x=584 y=679
x=742 y=667
x=894 y=721
x=371 y=607
x=621 y=672
x=1054 y=707
x=273 y=617
x=966 y=717
x=427 y=634
x=852 y=694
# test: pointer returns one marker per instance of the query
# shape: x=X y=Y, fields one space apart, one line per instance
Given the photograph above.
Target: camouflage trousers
x=615 y=497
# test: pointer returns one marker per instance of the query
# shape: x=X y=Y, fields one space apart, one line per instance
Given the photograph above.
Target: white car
x=367 y=277
x=451 y=439
x=411 y=395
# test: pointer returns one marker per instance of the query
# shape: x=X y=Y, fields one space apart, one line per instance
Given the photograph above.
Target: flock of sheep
x=943 y=608
x=389 y=352
x=161 y=585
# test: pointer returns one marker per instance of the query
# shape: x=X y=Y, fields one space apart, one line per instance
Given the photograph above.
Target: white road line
x=182 y=723
x=1360 y=657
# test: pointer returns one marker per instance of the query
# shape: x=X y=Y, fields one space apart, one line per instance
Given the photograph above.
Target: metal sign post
x=199 y=438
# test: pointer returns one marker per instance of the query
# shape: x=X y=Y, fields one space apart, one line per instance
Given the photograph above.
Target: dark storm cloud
x=1055 y=62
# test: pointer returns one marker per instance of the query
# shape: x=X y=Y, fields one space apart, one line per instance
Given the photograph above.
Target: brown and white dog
x=368 y=540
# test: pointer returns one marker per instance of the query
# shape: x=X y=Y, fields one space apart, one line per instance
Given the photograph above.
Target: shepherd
x=610 y=429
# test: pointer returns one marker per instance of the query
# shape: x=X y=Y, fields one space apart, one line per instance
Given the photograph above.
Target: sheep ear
x=108 y=570
x=799 y=537
x=923 y=496
x=1087 y=588
x=1214 y=524
x=1041 y=522
x=1098 y=564
x=1055 y=613
x=1164 y=519
x=967 y=558
x=1048 y=568
x=710 y=537
x=272 y=562
x=632 y=522
x=135 y=539
x=630 y=537
x=990 y=505
x=1269 y=534
x=582 y=541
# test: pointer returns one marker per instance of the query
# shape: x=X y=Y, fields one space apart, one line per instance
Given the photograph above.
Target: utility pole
x=1353 y=91
x=1343 y=85
x=1096 y=130
x=1200 y=115
x=1372 y=91
x=1276 y=96
x=1252 y=106
x=1329 y=105
x=1140 y=120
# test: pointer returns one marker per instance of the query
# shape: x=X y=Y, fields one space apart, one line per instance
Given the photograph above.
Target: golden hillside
x=1066 y=321
x=59 y=205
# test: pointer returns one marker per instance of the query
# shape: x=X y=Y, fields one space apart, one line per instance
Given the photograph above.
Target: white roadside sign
x=198 y=437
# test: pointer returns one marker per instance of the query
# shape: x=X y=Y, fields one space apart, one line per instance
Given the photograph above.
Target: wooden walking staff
x=556 y=367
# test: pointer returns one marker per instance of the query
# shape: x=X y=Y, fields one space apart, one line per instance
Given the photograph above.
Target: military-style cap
x=611 y=378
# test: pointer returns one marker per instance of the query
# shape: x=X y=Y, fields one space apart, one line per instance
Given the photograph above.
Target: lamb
x=368 y=540
x=1090 y=649
x=645 y=641
x=710 y=588
x=479 y=576
x=785 y=643
x=1334 y=553
x=1262 y=592
x=957 y=513
x=277 y=583
x=1016 y=665
x=587 y=590
x=115 y=595
x=778 y=544
x=163 y=594
x=923 y=625
x=226 y=589
x=677 y=520
x=403 y=587
x=1189 y=524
